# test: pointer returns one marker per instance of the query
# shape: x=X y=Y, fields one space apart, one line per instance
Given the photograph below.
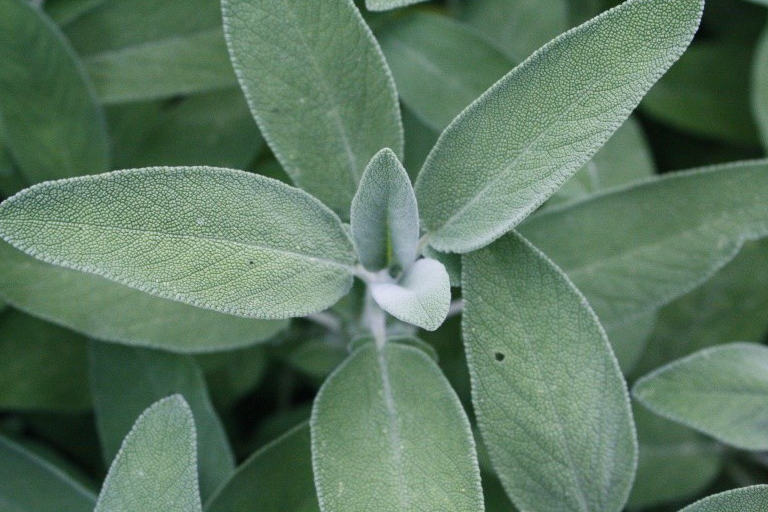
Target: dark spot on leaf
x=499 y=356
x=250 y=262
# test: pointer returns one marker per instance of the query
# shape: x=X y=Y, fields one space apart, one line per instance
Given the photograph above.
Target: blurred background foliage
x=166 y=94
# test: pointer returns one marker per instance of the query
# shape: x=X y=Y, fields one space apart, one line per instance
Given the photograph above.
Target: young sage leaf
x=745 y=499
x=126 y=380
x=384 y=216
x=215 y=238
x=319 y=88
x=420 y=297
x=371 y=448
x=156 y=467
x=721 y=391
x=539 y=124
x=551 y=403
x=49 y=118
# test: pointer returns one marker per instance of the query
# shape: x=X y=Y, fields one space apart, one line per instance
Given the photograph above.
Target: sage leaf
x=721 y=391
x=652 y=242
x=421 y=297
x=42 y=366
x=759 y=87
x=156 y=467
x=629 y=338
x=545 y=119
x=126 y=380
x=276 y=478
x=204 y=236
x=319 y=88
x=384 y=5
x=384 y=216
x=451 y=262
x=29 y=483
x=49 y=118
x=551 y=403
x=419 y=141
x=368 y=422
x=745 y=499
x=233 y=374
x=440 y=65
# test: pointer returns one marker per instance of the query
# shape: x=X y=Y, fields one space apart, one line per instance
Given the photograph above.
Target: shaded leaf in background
x=49 y=117
x=419 y=141
x=746 y=499
x=29 y=483
x=156 y=467
x=324 y=109
x=721 y=391
x=759 y=89
x=370 y=447
x=277 y=478
x=42 y=366
x=216 y=238
x=546 y=119
x=230 y=375
x=383 y=5
x=125 y=381
x=551 y=403
x=629 y=338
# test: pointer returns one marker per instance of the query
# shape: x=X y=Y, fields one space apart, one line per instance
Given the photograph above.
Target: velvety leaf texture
x=746 y=499
x=721 y=391
x=538 y=125
x=219 y=239
x=156 y=467
x=551 y=403
x=49 y=118
x=371 y=448
x=384 y=216
x=318 y=86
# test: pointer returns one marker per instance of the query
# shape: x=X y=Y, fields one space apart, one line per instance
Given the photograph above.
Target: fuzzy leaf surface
x=745 y=499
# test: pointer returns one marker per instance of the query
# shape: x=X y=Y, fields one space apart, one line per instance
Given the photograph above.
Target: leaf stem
x=327 y=320
x=456 y=308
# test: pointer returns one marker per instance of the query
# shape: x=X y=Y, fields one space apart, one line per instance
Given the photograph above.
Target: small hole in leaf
x=499 y=356
x=250 y=262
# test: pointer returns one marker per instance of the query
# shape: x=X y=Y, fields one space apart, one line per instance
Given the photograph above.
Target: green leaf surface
x=371 y=449
x=384 y=5
x=551 y=403
x=126 y=380
x=318 y=86
x=220 y=239
x=440 y=65
x=231 y=375
x=156 y=467
x=629 y=339
x=277 y=478
x=419 y=141
x=422 y=296
x=451 y=262
x=759 y=87
x=42 y=366
x=49 y=119
x=721 y=391
x=29 y=483
x=384 y=216
x=538 y=125
x=745 y=499
x=652 y=242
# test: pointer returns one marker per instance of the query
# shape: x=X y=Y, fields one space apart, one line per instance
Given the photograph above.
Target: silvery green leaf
x=369 y=424
x=384 y=216
x=384 y=5
x=215 y=238
x=318 y=86
x=277 y=478
x=451 y=262
x=721 y=391
x=156 y=467
x=29 y=483
x=538 y=125
x=49 y=118
x=420 y=297
x=42 y=366
x=440 y=65
x=127 y=380
x=745 y=499
x=651 y=242
x=550 y=399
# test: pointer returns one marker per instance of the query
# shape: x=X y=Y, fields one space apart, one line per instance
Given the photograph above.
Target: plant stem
x=327 y=320
x=375 y=319
x=457 y=306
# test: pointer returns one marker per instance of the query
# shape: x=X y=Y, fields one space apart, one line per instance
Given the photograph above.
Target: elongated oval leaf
x=219 y=239
x=277 y=478
x=29 y=483
x=721 y=391
x=156 y=467
x=550 y=399
x=125 y=381
x=371 y=449
x=318 y=86
x=538 y=125
x=421 y=297
x=385 y=219
x=746 y=499
x=49 y=118
x=634 y=249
